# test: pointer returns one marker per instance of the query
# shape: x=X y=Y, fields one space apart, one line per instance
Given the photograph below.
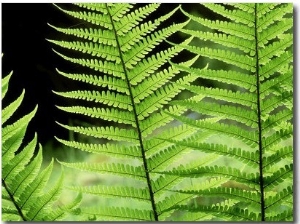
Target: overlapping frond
x=23 y=182
x=130 y=85
x=255 y=111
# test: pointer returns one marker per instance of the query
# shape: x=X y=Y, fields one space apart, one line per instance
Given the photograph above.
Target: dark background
x=30 y=56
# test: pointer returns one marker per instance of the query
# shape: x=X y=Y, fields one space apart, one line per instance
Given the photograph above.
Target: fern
x=23 y=181
x=131 y=85
x=254 y=131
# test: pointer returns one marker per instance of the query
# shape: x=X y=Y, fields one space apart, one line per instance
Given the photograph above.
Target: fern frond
x=131 y=76
x=23 y=184
x=254 y=43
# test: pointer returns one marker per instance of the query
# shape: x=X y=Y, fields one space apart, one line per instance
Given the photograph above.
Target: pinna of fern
x=131 y=81
x=23 y=181
x=254 y=103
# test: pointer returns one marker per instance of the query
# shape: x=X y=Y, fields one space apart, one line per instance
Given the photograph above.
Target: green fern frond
x=131 y=77
x=23 y=184
x=252 y=97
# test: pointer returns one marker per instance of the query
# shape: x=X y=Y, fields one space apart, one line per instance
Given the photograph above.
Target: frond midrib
x=259 y=121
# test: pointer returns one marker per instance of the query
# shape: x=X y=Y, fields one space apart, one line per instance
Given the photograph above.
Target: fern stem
x=14 y=201
x=261 y=177
x=136 y=121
